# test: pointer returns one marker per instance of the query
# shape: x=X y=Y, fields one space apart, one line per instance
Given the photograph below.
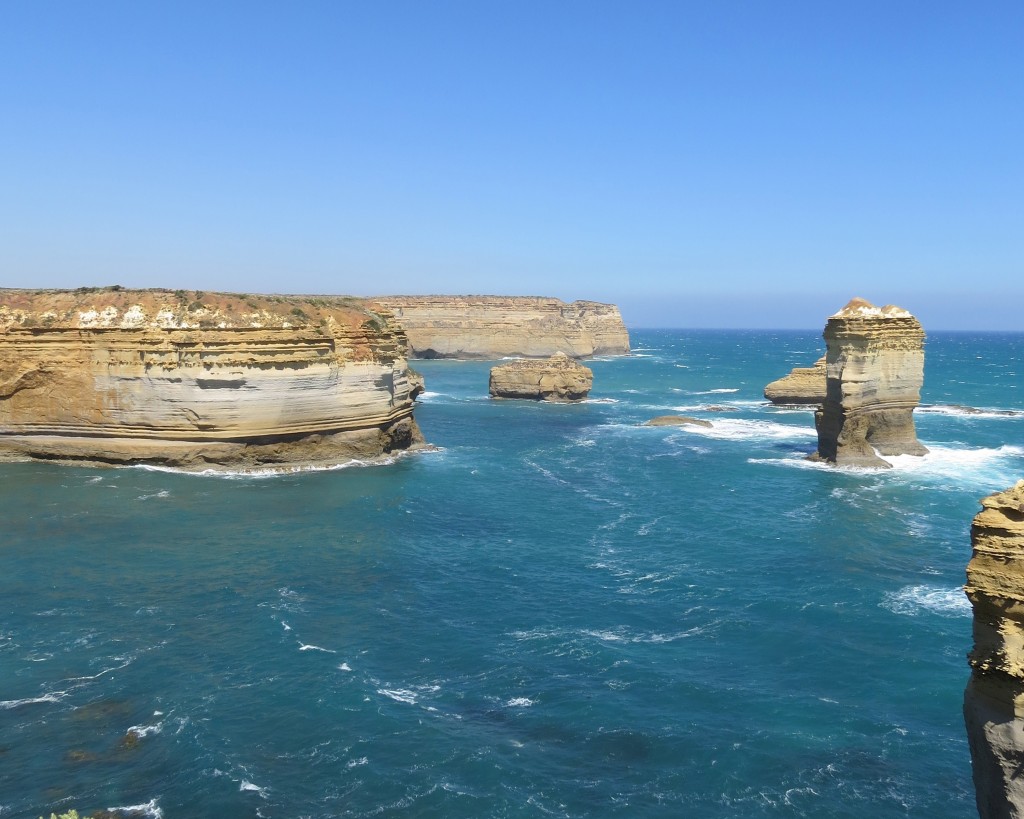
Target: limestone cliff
x=874 y=372
x=803 y=385
x=994 y=699
x=490 y=327
x=196 y=380
x=558 y=378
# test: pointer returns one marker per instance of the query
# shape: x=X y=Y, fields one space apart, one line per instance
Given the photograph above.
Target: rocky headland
x=994 y=698
x=491 y=327
x=200 y=380
x=558 y=378
x=803 y=385
x=874 y=371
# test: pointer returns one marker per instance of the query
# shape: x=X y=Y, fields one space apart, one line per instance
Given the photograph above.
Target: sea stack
x=197 y=380
x=803 y=385
x=559 y=379
x=994 y=699
x=874 y=364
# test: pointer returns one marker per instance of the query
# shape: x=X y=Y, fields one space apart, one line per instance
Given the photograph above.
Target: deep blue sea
x=559 y=613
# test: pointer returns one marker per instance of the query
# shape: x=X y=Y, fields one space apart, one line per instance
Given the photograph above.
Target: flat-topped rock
x=994 y=698
x=803 y=385
x=558 y=378
x=492 y=327
x=676 y=421
x=199 y=380
x=874 y=365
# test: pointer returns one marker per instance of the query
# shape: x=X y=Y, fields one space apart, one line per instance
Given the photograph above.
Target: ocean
x=558 y=613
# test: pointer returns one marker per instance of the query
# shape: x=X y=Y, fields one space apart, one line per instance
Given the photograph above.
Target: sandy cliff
x=491 y=327
x=803 y=385
x=875 y=369
x=198 y=380
x=994 y=699
x=558 y=378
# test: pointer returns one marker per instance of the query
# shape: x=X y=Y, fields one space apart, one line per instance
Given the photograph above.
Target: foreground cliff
x=195 y=380
x=489 y=327
x=994 y=699
x=874 y=371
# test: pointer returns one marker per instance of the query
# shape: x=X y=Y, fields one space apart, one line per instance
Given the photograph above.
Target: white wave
x=959 y=411
x=600 y=401
x=355 y=763
x=307 y=647
x=249 y=786
x=519 y=702
x=278 y=471
x=285 y=626
x=719 y=391
x=163 y=493
x=54 y=697
x=426 y=395
x=913 y=600
x=150 y=809
x=140 y=731
x=400 y=694
x=95 y=479
x=344 y=667
x=741 y=429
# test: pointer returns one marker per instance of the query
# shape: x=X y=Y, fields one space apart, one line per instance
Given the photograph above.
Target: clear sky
x=703 y=164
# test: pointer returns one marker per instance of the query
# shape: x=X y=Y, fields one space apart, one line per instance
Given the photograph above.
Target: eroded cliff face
x=803 y=385
x=558 y=378
x=489 y=327
x=994 y=699
x=874 y=372
x=197 y=380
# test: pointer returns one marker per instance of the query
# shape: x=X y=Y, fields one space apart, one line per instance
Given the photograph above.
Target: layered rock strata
x=874 y=372
x=994 y=699
x=195 y=380
x=558 y=378
x=803 y=385
x=490 y=327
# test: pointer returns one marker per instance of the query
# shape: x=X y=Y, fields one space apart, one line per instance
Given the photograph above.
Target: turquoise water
x=560 y=613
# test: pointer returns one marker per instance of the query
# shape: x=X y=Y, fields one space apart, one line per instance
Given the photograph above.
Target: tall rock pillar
x=994 y=699
x=874 y=364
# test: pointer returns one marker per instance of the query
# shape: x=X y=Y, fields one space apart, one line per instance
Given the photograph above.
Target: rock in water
x=676 y=421
x=200 y=380
x=994 y=699
x=559 y=378
x=804 y=385
x=875 y=368
x=491 y=327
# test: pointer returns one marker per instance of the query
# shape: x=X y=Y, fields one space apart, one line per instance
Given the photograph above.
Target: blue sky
x=714 y=163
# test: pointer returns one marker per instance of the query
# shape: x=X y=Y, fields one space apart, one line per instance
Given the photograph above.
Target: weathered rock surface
x=676 y=421
x=875 y=369
x=803 y=385
x=490 y=327
x=558 y=378
x=994 y=699
x=196 y=380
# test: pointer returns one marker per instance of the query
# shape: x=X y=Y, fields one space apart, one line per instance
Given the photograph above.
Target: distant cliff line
x=490 y=327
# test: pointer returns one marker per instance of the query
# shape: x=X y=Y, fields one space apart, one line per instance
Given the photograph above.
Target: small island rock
x=676 y=421
x=558 y=378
